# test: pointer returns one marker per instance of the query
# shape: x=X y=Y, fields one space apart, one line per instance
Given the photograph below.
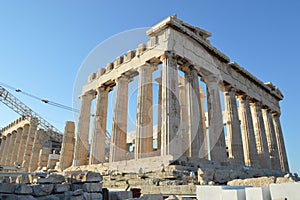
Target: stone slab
x=289 y=191
x=238 y=194
x=257 y=193
x=120 y=195
x=214 y=192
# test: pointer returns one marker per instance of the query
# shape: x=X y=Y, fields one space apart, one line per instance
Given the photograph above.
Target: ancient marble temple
x=251 y=118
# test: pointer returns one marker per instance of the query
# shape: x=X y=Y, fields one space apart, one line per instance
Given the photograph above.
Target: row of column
x=248 y=133
x=254 y=133
x=23 y=147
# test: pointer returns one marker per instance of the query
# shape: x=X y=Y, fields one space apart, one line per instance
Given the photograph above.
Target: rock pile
x=85 y=186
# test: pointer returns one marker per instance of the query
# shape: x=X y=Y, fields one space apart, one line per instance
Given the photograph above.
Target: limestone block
x=60 y=188
x=90 y=177
x=77 y=192
x=7 y=188
x=92 y=187
x=42 y=190
x=257 y=193
x=284 y=180
x=213 y=192
x=55 y=178
x=48 y=197
x=233 y=194
x=221 y=176
x=92 y=196
x=24 y=178
x=120 y=195
x=285 y=191
x=255 y=182
x=23 y=189
x=152 y=197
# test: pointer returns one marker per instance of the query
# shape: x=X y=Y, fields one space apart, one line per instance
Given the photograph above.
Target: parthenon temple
x=209 y=109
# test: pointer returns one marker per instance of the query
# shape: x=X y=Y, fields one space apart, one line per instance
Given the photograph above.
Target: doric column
x=67 y=148
x=97 y=154
x=82 y=136
x=29 y=143
x=118 y=147
x=11 y=148
x=260 y=135
x=183 y=117
x=37 y=146
x=22 y=146
x=2 y=149
x=17 y=145
x=215 y=119
x=249 y=144
x=234 y=137
x=158 y=80
x=271 y=138
x=280 y=142
x=195 y=132
x=202 y=97
x=144 y=113
x=170 y=139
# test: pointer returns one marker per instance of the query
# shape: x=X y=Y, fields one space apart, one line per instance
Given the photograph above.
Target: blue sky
x=44 y=43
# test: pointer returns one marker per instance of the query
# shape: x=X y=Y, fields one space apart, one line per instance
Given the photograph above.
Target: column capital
x=243 y=97
x=256 y=103
x=211 y=80
x=148 y=66
x=275 y=113
x=167 y=54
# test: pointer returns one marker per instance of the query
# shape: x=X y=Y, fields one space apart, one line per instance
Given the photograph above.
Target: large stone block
x=91 y=177
x=257 y=193
x=7 y=188
x=52 y=178
x=42 y=190
x=60 y=188
x=152 y=197
x=23 y=189
x=92 y=196
x=92 y=187
x=238 y=194
x=120 y=195
x=289 y=191
x=214 y=192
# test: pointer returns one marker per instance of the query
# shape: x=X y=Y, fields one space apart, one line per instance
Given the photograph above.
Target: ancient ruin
x=217 y=124
x=25 y=146
x=244 y=139
x=253 y=131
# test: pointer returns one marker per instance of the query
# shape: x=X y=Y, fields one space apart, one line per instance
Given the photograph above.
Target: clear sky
x=44 y=43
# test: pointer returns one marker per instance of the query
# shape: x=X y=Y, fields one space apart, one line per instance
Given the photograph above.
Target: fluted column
x=97 y=154
x=249 y=144
x=2 y=149
x=158 y=80
x=37 y=146
x=280 y=143
x=29 y=143
x=271 y=138
x=17 y=145
x=194 y=119
x=202 y=97
x=82 y=136
x=144 y=113
x=22 y=146
x=260 y=135
x=183 y=117
x=170 y=139
x=118 y=147
x=234 y=137
x=67 y=148
x=11 y=148
x=215 y=119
